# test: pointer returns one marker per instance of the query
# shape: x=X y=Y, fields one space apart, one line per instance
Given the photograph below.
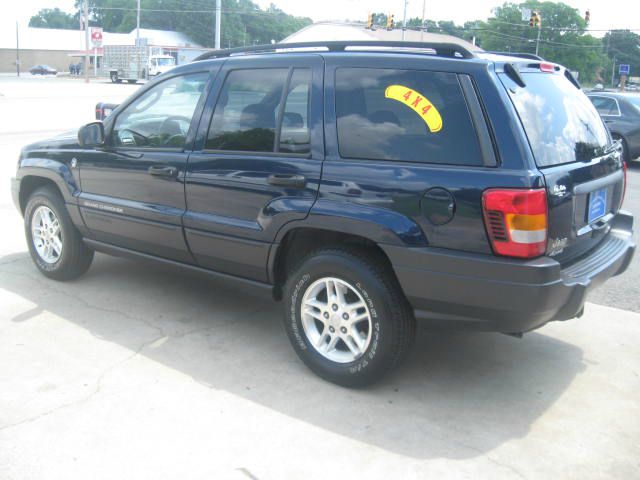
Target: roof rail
x=529 y=56
x=445 y=49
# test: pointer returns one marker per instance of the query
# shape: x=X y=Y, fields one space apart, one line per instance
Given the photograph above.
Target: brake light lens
x=516 y=221
x=547 y=67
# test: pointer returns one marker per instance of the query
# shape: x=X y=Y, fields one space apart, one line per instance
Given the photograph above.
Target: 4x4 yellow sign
x=418 y=103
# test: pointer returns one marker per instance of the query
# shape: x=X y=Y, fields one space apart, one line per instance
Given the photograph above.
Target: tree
x=243 y=22
x=624 y=47
x=562 y=36
x=54 y=18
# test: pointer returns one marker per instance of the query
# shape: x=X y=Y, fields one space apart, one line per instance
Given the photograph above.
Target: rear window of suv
x=405 y=115
x=562 y=125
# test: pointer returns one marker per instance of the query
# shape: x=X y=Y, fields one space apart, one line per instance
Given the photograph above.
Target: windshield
x=635 y=101
x=165 y=62
x=562 y=125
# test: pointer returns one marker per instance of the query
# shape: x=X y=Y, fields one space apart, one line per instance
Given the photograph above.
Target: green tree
x=243 y=22
x=54 y=18
x=623 y=46
x=562 y=36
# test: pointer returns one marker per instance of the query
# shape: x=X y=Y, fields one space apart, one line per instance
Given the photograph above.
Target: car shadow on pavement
x=458 y=395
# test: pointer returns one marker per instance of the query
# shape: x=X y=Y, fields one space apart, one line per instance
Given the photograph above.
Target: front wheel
x=346 y=317
x=55 y=245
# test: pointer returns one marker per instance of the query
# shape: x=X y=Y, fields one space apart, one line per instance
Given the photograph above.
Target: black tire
x=76 y=257
x=393 y=324
x=114 y=78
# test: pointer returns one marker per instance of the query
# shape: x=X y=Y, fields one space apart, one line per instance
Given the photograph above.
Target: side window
x=605 y=105
x=406 y=115
x=160 y=118
x=249 y=112
x=294 y=135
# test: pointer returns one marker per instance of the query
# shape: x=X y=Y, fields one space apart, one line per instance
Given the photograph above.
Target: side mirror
x=91 y=135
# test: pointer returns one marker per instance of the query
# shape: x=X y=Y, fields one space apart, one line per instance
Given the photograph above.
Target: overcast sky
x=605 y=14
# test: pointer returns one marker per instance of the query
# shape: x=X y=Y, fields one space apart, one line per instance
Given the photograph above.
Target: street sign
x=526 y=14
x=96 y=37
x=623 y=69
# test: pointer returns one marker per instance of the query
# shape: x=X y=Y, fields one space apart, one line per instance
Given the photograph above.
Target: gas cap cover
x=438 y=205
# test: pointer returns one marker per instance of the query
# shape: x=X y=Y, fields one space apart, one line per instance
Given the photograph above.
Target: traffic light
x=535 y=20
x=390 y=22
x=370 y=20
x=587 y=17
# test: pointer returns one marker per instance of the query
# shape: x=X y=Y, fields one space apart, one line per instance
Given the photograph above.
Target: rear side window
x=605 y=105
x=406 y=115
x=250 y=116
x=561 y=123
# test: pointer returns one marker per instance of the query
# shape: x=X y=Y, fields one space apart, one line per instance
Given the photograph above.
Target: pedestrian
x=72 y=68
x=78 y=68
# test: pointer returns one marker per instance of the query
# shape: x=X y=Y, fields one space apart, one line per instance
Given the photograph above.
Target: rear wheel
x=55 y=245
x=346 y=317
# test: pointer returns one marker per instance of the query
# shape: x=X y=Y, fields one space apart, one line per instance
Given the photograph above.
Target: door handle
x=287 y=180
x=163 y=171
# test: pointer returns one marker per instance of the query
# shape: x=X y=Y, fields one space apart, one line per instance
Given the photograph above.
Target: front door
x=257 y=160
x=133 y=189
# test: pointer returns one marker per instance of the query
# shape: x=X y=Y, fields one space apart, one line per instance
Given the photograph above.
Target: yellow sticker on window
x=418 y=103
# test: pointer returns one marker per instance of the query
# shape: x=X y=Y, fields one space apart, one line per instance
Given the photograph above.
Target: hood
x=65 y=140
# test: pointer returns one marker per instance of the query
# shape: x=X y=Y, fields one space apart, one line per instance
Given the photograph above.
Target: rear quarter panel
x=394 y=189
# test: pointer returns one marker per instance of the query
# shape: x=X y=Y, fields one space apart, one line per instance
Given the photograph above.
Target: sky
x=605 y=14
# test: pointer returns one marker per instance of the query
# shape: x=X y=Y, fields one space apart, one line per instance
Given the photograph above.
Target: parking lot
x=140 y=371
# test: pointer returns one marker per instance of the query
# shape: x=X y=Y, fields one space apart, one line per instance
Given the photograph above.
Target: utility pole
x=538 y=39
x=404 y=19
x=613 y=71
x=86 y=41
x=424 y=2
x=138 y=41
x=138 y=24
x=218 y=22
x=17 y=50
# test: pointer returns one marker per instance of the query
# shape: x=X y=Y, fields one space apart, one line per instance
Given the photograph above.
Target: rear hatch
x=572 y=148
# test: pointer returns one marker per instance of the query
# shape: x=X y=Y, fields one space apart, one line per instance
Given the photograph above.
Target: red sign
x=96 y=36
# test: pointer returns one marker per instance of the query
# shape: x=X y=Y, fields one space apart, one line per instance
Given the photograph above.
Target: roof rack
x=529 y=56
x=445 y=49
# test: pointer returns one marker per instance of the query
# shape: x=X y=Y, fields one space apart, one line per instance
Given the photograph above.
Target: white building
x=59 y=48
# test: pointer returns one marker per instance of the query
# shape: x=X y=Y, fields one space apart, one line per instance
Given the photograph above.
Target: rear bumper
x=490 y=293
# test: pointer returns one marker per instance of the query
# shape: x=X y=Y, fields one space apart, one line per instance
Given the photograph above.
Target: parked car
x=43 y=70
x=621 y=113
x=367 y=189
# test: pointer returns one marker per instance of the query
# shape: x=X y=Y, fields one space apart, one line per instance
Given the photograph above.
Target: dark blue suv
x=367 y=185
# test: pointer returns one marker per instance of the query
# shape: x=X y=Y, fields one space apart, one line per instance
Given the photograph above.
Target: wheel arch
x=299 y=241
x=30 y=183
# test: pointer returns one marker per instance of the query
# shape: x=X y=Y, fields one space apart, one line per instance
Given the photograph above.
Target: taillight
x=516 y=221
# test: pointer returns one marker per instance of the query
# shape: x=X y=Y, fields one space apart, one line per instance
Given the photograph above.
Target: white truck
x=131 y=63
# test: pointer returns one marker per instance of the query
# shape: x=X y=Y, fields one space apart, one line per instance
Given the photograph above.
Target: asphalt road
x=140 y=371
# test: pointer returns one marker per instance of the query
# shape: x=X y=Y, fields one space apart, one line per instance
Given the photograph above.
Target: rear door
x=257 y=160
x=574 y=152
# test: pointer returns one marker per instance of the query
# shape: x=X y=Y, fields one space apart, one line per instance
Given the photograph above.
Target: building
x=59 y=48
